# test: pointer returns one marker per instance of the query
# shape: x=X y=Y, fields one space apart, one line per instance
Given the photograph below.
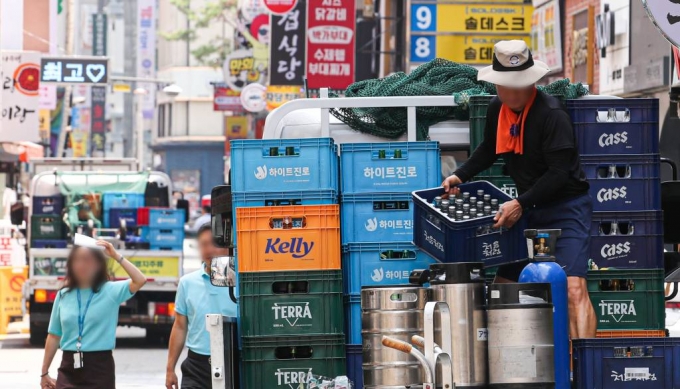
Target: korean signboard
x=546 y=35
x=279 y=7
x=475 y=49
x=98 y=118
x=99 y=31
x=72 y=70
x=20 y=77
x=666 y=16
x=240 y=69
x=331 y=27
x=146 y=52
x=277 y=95
x=288 y=47
x=226 y=99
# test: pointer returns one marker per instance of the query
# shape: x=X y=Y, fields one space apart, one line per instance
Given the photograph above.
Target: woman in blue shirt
x=84 y=319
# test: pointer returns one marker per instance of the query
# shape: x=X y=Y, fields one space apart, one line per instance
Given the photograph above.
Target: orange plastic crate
x=633 y=334
x=288 y=238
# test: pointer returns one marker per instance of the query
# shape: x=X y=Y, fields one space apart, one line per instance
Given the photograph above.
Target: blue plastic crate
x=273 y=198
x=470 y=240
x=370 y=265
x=49 y=244
x=48 y=205
x=165 y=237
x=353 y=318
x=355 y=359
x=389 y=167
x=166 y=218
x=627 y=363
x=113 y=217
x=263 y=165
x=112 y=200
x=166 y=247
x=380 y=217
x=631 y=128
x=627 y=240
x=635 y=185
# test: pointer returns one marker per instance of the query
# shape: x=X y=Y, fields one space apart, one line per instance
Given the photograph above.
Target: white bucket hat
x=513 y=66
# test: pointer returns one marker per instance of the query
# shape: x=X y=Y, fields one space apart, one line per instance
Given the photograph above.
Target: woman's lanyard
x=81 y=318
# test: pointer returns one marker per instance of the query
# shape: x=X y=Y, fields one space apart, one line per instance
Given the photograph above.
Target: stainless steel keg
x=521 y=346
x=398 y=313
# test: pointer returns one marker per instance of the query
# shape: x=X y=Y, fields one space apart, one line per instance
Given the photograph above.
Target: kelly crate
x=293 y=164
x=275 y=362
x=275 y=199
x=628 y=299
x=113 y=217
x=161 y=217
x=305 y=237
x=626 y=126
x=291 y=303
x=47 y=227
x=627 y=240
x=389 y=167
x=112 y=200
x=619 y=182
x=355 y=361
x=478 y=106
x=353 y=318
x=379 y=217
x=164 y=238
x=49 y=244
x=627 y=363
x=467 y=240
x=48 y=205
x=380 y=264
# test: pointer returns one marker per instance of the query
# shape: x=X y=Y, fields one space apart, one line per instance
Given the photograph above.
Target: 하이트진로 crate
x=379 y=217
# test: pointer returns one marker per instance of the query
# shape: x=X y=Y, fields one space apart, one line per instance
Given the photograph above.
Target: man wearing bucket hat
x=534 y=135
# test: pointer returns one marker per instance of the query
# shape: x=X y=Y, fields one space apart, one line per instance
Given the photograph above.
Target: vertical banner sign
x=99 y=31
x=331 y=25
x=546 y=35
x=146 y=52
x=20 y=79
x=98 y=118
x=47 y=97
x=287 y=47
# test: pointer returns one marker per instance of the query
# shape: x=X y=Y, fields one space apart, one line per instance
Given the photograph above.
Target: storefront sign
x=278 y=95
x=647 y=76
x=473 y=50
x=20 y=77
x=287 y=49
x=74 y=70
x=98 y=118
x=150 y=266
x=250 y=9
x=331 y=26
x=546 y=35
x=146 y=53
x=666 y=16
x=226 y=99
x=282 y=6
x=79 y=143
x=253 y=97
x=236 y=127
x=99 y=34
x=240 y=70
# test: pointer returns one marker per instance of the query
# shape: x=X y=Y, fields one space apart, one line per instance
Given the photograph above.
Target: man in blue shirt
x=195 y=298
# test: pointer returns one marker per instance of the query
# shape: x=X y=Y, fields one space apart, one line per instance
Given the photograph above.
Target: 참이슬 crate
x=389 y=167
x=379 y=217
x=628 y=299
x=471 y=240
x=627 y=363
x=284 y=164
x=291 y=303
x=305 y=237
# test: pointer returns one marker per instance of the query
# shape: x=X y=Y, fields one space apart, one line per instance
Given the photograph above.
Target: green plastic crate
x=642 y=308
x=291 y=303
x=47 y=227
x=478 y=106
x=271 y=363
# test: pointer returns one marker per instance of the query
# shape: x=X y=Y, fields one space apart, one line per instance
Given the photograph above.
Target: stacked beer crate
x=288 y=260
x=377 y=223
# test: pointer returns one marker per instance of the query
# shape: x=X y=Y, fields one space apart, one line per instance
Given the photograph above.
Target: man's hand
x=171 y=381
x=509 y=213
x=451 y=185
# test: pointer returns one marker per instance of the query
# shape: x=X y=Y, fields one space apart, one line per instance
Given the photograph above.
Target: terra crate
x=304 y=237
x=627 y=240
x=355 y=361
x=113 y=217
x=291 y=303
x=628 y=299
x=379 y=217
x=294 y=164
x=628 y=363
x=353 y=318
x=112 y=200
x=619 y=182
x=271 y=362
x=626 y=126
x=380 y=264
x=389 y=167
x=478 y=106
x=274 y=198
x=48 y=205
x=467 y=240
x=47 y=227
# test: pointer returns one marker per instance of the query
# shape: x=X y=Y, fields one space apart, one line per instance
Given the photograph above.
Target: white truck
x=153 y=307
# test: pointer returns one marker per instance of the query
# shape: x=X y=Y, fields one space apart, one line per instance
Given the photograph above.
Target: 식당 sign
x=71 y=70
x=287 y=48
x=666 y=16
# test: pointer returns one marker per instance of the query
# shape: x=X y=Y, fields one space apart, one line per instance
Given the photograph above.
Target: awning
x=20 y=151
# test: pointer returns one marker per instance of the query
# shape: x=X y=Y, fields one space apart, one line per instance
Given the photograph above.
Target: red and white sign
x=226 y=99
x=331 y=27
x=280 y=7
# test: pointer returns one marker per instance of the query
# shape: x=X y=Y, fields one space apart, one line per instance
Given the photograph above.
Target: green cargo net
x=438 y=77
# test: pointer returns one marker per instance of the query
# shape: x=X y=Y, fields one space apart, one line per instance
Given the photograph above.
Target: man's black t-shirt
x=549 y=171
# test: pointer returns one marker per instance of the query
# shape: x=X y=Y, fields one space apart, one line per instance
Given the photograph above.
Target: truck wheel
x=157 y=337
x=38 y=336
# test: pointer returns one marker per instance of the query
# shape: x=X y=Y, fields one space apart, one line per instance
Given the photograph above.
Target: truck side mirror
x=17 y=213
x=222 y=216
x=184 y=204
x=223 y=272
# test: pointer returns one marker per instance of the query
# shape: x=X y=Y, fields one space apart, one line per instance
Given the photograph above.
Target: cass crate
x=47 y=227
x=291 y=303
x=271 y=362
x=389 y=167
x=49 y=244
x=274 y=198
x=353 y=318
x=623 y=182
x=628 y=299
x=379 y=217
x=627 y=240
x=355 y=361
x=295 y=237
x=380 y=264
x=48 y=205
x=633 y=363
x=114 y=217
x=627 y=126
x=112 y=200
x=292 y=164
x=473 y=240
x=163 y=237
x=478 y=106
